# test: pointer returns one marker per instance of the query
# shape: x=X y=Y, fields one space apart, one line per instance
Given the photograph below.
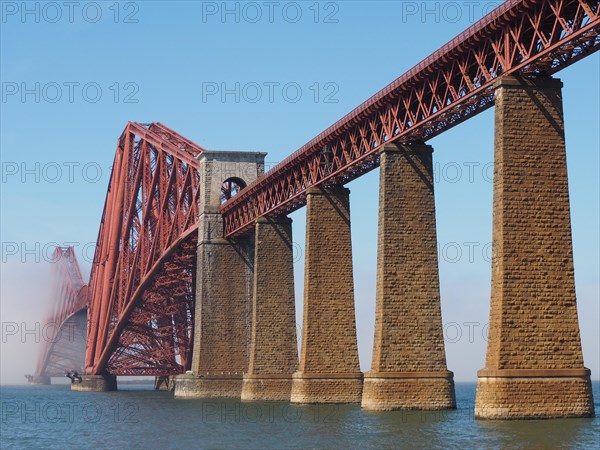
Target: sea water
x=53 y=417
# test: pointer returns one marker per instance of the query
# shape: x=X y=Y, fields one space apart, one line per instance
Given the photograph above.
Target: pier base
x=208 y=386
x=533 y=394
x=267 y=387
x=42 y=380
x=327 y=388
x=388 y=391
x=95 y=383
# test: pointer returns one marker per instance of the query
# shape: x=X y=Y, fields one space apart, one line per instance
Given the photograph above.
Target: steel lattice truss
x=142 y=280
x=63 y=334
x=525 y=37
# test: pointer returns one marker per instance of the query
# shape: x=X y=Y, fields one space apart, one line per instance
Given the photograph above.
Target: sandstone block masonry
x=534 y=364
x=223 y=286
x=329 y=371
x=409 y=361
x=273 y=348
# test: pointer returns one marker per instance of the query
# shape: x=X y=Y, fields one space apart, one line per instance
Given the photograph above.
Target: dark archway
x=231 y=187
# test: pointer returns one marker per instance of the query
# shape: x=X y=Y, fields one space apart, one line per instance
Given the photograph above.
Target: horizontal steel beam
x=528 y=37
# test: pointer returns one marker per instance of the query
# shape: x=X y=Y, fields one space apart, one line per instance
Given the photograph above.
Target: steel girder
x=525 y=37
x=142 y=282
x=142 y=279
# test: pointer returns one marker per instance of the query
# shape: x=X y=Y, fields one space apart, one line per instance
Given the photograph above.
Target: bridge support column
x=39 y=379
x=329 y=371
x=223 y=314
x=273 y=349
x=223 y=306
x=409 y=361
x=534 y=365
x=95 y=383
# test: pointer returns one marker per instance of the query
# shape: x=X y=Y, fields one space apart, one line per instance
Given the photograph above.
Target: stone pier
x=534 y=365
x=38 y=379
x=273 y=348
x=223 y=284
x=329 y=370
x=95 y=383
x=409 y=361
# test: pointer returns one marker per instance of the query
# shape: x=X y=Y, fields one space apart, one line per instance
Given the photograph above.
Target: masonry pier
x=95 y=383
x=329 y=370
x=409 y=361
x=534 y=364
x=223 y=284
x=273 y=347
x=39 y=379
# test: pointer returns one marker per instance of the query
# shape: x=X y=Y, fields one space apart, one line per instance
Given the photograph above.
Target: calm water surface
x=53 y=417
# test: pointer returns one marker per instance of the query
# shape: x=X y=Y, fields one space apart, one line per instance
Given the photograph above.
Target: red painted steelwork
x=526 y=37
x=142 y=280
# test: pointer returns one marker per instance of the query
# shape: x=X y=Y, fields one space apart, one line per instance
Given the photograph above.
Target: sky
x=253 y=76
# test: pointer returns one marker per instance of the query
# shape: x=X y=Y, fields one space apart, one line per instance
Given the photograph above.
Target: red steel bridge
x=64 y=335
x=140 y=296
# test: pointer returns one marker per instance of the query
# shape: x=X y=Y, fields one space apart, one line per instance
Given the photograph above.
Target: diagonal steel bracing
x=526 y=37
x=141 y=290
x=142 y=280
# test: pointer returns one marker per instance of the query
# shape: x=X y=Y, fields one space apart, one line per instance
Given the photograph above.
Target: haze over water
x=53 y=417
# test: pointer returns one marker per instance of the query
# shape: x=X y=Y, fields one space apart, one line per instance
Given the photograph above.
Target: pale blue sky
x=155 y=61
